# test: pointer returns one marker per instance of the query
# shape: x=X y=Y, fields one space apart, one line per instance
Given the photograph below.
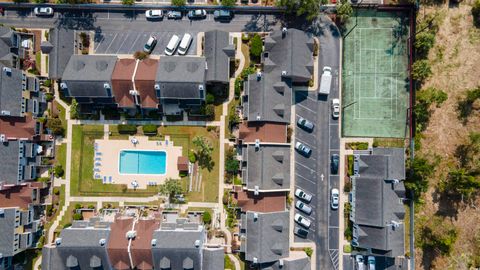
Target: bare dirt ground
x=455 y=62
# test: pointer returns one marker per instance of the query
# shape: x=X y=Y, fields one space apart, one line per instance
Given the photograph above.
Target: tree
x=423 y=43
x=465 y=105
x=203 y=152
x=228 y=3
x=231 y=163
x=256 y=46
x=77 y=216
x=128 y=2
x=461 y=182
x=74 y=112
x=55 y=125
x=210 y=98
x=179 y=3
x=209 y=110
x=344 y=10
x=308 y=8
x=476 y=13
x=207 y=217
x=438 y=234
x=58 y=170
x=140 y=55
x=421 y=70
x=469 y=154
x=417 y=178
x=170 y=188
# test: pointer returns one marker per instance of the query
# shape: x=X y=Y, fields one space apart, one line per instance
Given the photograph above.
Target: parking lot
x=128 y=42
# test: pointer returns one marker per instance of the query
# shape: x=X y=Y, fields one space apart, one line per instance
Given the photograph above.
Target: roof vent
x=395 y=224
x=200 y=87
x=280 y=262
x=284 y=73
x=257 y=144
x=63 y=86
x=258 y=117
x=255 y=216
x=8 y=71
x=131 y=234
x=102 y=242
x=255 y=260
x=133 y=92
x=3 y=139
x=2 y=211
x=395 y=181
x=4 y=112
x=157 y=86
x=256 y=192
x=106 y=85
x=58 y=241
x=259 y=75
x=154 y=242
x=197 y=243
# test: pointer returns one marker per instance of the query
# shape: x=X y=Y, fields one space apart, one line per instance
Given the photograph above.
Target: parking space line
x=123 y=42
x=314 y=147
x=98 y=43
x=111 y=42
x=296 y=174
x=304 y=107
x=133 y=44
x=332 y=227
x=304 y=166
x=308 y=97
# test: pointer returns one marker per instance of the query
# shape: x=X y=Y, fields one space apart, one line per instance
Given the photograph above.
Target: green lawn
x=38 y=60
x=61 y=115
x=68 y=216
x=115 y=135
x=228 y=263
x=82 y=182
x=61 y=154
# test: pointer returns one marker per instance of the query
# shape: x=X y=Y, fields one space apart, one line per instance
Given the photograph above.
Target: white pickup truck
x=326 y=81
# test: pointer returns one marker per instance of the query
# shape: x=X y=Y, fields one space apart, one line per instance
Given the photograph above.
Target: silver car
x=303 y=207
x=305 y=124
x=303 y=195
x=43 y=11
x=335 y=108
x=303 y=149
x=335 y=198
x=305 y=222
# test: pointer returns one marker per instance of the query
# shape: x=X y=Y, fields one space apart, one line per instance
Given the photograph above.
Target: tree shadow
x=428 y=256
x=449 y=205
x=131 y=14
x=260 y=23
x=77 y=20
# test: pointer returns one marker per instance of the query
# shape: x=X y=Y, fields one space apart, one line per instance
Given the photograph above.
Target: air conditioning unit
x=102 y=242
x=257 y=144
x=395 y=224
x=197 y=243
x=284 y=73
x=259 y=75
x=256 y=192
x=133 y=92
x=154 y=242
x=255 y=216
x=200 y=87
x=63 y=86
x=8 y=71
x=4 y=112
x=58 y=241
x=255 y=260
x=157 y=86
x=131 y=234
x=106 y=85
x=3 y=138
x=258 y=117
x=280 y=263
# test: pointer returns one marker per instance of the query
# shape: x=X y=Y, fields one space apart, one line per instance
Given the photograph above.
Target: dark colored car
x=300 y=232
x=335 y=159
x=197 y=14
x=222 y=15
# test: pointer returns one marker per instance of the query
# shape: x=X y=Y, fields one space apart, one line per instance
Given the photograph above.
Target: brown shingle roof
x=182 y=164
x=20 y=195
x=118 y=242
x=18 y=127
x=142 y=244
x=122 y=82
x=265 y=132
x=265 y=202
x=145 y=82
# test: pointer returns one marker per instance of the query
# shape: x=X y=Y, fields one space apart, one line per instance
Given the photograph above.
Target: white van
x=184 y=44
x=172 y=45
x=326 y=81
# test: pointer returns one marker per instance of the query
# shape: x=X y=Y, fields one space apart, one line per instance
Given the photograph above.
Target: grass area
x=46 y=63
x=82 y=182
x=38 y=60
x=61 y=202
x=388 y=142
x=115 y=135
x=152 y=203
x=241 y=260
x=228 y=263
x=61 y=154
x=246 y=54
x=68 y=216
x=218 y=111
x=201 y=209
x=61 y=115
x=234 y=103
x=406 y=226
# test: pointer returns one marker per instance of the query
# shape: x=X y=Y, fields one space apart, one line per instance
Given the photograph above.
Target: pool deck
x=107 y=155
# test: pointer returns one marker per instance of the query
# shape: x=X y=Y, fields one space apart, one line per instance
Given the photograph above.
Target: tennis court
x=375 y=75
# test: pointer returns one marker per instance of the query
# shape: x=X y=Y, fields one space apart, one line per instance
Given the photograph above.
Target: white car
x=335 y=108
x=334 y=198
x=43 y=11
x=184 y=44
x=303 y=195
x=303 y=149
x=172 y=45
x=154 y=14
x=303 y=207
x=305 y=222
x=360 y=262
x=371 y=263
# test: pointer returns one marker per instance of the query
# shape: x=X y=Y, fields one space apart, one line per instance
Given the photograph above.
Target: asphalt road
x=132 y=25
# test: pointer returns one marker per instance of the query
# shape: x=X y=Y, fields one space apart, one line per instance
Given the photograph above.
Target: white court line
x=298 y=175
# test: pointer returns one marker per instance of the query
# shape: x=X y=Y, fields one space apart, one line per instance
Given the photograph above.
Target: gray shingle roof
x=63 y=47
x=85 y=75
x=218 y=51
x=7 y=55
x=268 y=167
x=7 y=227
x=377 y=201
x=10 y=160
x=11 y=91
x=267 y=236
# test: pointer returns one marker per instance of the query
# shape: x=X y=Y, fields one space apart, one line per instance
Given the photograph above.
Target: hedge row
x=127 y=129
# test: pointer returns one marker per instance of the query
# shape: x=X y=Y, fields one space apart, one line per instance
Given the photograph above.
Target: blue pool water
x=142 y=162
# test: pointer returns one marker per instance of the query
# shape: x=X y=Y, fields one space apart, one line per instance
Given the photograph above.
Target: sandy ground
x=455 y=58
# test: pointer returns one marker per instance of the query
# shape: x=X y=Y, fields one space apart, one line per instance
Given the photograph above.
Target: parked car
x=150 y=45
x=303 y=195
x=185 y=44
x=335 y=108
x=371 y=263
x=197 y=14
x=300 y=232
x=43 y=11
x=305 y=124
x=360 y=262
x=305 y=222
x=153 y=14
x=334 y=198
x=303 y=149
x=303 y=207
x=172 y=45
x=175 y=15
x=334 y=160
x=223 y=15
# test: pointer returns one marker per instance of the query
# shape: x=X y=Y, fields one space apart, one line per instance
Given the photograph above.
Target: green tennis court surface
x=375 y=77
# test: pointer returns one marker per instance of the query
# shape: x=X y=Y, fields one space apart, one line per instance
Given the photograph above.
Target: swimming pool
x=142 y=162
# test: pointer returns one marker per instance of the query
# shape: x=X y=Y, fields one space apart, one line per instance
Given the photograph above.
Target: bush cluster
x=127 y=129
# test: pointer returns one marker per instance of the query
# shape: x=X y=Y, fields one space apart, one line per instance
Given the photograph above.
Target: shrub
x=228 y=3
x=358 y=145
x=49 y=97
x=465 y=105
x=78 y=206
x=128 y=2
x=421 y=70
x=347 y=248
x=150 y=129
x=238 y=87
x=58 y=170
x=140 y=55
x=191 y=157
x=350 y=164
x=91 y=206
x=206 y=217
x=47 y=83
x=344 y=11
x=308 y=251
x=127 y=129
x=55 y=125
x=210 y=98
x=56 y=191
x=77 y=216
x=178 y=3
x=418 y=172
x=438 y=234
x=423 y=43
x=476 y=13
x=256 y=47
x=43 y=179
x=209 y=110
